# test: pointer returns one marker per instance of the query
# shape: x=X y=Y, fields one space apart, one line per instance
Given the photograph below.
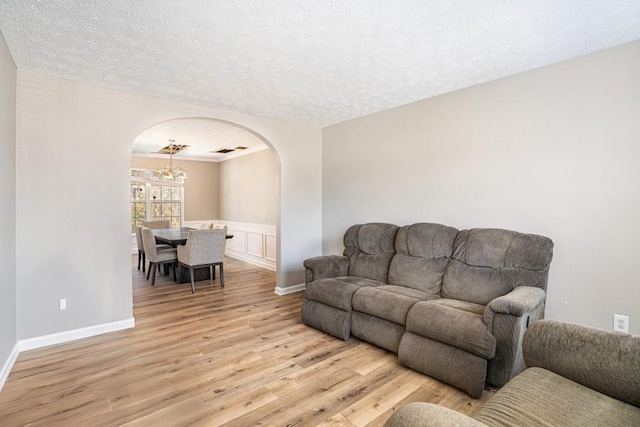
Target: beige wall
x=243 y=189
x=249 y=189
x=73 y=209
x=554 y=151
x=7 y=204
x=200 y=188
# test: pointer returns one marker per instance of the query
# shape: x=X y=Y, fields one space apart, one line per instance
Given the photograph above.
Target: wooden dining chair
x=204 y=248
x=161 y=223
x=157 y=257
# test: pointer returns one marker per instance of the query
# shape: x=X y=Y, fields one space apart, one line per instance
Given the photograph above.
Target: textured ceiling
x=201 y=135
x=306 y=61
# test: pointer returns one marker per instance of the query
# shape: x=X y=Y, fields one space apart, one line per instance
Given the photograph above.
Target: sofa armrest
x=607 y=362
x=518 y=302
x=428 y=414
x=323 y=267
x=507 y=318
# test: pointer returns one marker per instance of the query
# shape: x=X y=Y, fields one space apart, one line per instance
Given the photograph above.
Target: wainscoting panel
x=252 y=243
x=239 y=241
x=270 y=247
x=255 y=244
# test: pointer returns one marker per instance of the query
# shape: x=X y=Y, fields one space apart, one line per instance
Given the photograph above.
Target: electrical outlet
x=621 y=323
x=63 y=304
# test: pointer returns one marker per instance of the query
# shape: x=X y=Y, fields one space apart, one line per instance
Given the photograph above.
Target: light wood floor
x=237 y=356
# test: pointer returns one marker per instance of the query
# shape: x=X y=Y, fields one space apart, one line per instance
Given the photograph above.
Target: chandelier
x=169 y=173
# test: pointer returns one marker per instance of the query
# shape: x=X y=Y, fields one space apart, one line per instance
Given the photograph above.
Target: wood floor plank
x=237 y=356
x=376 y=403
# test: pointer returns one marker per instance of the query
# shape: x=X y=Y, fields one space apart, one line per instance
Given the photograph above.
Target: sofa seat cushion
x=459 y=324
x=417 y=294
x=538 y=397
x=388 y=302
x=337 y=292
x=359 y=281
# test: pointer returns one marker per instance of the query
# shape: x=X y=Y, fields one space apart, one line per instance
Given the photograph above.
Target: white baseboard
x=76 y=334
x=290 y=289
x=8 y=365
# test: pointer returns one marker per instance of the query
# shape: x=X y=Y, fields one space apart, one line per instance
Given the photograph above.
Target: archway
x=233 y=179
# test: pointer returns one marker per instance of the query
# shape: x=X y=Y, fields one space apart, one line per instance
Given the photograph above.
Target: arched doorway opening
x=233 y=179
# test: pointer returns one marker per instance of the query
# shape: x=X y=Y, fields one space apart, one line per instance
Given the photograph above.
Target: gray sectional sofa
x=576 y=376
x=452 y=304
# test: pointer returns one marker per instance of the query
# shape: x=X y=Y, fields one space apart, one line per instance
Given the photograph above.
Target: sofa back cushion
x=422 y=253
x=369 y=248
x=488 y=263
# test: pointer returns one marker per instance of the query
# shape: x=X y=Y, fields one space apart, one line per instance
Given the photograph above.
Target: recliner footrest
x=328 y=319
x=449 y=364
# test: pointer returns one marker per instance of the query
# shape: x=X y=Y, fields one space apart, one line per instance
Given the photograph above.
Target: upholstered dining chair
x=204 y=248
x=141 y=256
x=161 y=223
x=156 y=257
x=206 y=225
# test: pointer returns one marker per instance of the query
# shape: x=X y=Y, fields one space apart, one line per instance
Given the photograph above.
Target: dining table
x=175 y=236
x=178 y=236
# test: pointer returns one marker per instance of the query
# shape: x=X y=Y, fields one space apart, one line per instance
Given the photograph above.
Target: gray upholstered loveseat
x=452 y=304
x=576 y=376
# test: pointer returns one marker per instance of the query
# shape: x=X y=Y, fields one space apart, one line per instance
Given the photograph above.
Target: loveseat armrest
x=428 y=414
x=507 y=318
x=608 y=362
x=327 y=266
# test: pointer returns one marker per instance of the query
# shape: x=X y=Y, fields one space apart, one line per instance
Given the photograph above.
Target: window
x=153 y=200
x=138 y=204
